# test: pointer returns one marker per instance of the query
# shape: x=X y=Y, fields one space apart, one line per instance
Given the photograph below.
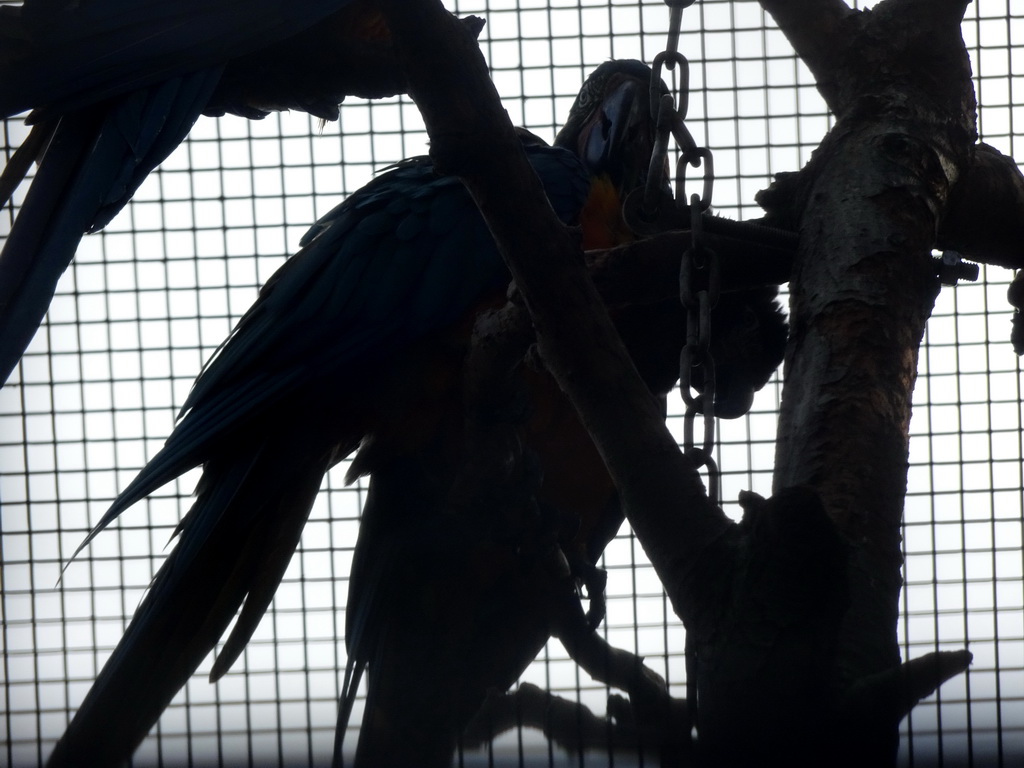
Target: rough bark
x=869 y=206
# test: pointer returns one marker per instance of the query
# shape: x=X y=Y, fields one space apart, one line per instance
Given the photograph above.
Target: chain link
x=699 y=271
x=699 y=289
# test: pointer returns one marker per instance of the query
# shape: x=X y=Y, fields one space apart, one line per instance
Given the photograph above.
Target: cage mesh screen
x=148 y=300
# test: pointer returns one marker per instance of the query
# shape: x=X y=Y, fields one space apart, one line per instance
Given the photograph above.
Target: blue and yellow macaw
x=116 y=85
x=338 y=350
x=358 y=342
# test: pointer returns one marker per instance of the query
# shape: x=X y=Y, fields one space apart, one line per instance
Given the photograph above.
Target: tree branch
x=815 y=29
x=647 y=270
x=890 y=695
x=314 y=70
x=575 y=727
x=569 y=724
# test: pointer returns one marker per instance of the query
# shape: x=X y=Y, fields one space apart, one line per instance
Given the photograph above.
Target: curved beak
x=618 y=140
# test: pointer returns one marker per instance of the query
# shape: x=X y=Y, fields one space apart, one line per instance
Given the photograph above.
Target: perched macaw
x=116 y=85
x=358 y=341
x=450 y=598
x=345 y=344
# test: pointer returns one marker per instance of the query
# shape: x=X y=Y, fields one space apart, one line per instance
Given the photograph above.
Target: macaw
x=357 y=342
x=451 y=598
x=116 y=85
x=336 y=351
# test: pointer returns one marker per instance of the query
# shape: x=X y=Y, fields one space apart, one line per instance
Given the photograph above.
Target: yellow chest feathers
x=601 y=218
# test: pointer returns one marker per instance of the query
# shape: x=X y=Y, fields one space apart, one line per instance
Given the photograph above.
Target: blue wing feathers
x=149 y=125
x=107 y=157
x=335 y=302
x=294 y=335
x=123 y=81
x=349 y=243
x=405 y=256
x=82 y=53
x=237 y=540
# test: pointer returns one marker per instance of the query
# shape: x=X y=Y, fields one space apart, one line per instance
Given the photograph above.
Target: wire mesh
x=149 y=299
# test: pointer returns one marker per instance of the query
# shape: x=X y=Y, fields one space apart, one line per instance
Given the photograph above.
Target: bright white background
x=149 y=299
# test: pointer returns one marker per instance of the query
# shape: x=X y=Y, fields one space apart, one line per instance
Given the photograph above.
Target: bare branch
x=313 y=71
x=890 y=695
x=647 y=270
x=569 y=724
x=815 y=30
x=855 y=55
x=985 y=218
x=574 y=727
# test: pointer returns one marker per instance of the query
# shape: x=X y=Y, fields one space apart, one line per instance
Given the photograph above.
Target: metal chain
x=699 y=284
x=699 y=289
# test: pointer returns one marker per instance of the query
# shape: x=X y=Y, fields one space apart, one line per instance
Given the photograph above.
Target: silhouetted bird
x=116 y=85
x=359 y=341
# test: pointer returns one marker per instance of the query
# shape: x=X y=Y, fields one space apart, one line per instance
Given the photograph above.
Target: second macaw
x=116 y=85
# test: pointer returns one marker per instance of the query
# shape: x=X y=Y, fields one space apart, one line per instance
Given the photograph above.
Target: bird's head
x=610 y=126
x=611 y=129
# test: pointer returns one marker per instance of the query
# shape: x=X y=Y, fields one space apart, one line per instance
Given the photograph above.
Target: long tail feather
x=235 y=545
x=349 y=690
x=30 y=151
